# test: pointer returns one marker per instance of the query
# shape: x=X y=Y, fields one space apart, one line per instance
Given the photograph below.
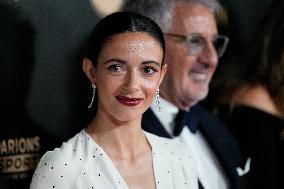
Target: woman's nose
x=131 y=83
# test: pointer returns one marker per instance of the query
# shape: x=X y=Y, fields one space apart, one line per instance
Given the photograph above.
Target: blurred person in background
x=252 y=101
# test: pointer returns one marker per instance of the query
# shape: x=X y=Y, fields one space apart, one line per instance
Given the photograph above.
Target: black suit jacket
x=218 y=137
x=258 y=134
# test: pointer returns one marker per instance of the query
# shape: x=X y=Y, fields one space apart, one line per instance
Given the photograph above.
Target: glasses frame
x=187 y=38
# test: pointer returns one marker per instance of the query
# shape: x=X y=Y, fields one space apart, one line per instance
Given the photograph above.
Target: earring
x=93 y=96
x=158 y=99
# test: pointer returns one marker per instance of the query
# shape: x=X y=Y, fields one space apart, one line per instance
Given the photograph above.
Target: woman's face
x=127 y=75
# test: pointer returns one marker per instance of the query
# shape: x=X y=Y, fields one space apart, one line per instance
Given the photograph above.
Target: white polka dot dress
x=81 y=163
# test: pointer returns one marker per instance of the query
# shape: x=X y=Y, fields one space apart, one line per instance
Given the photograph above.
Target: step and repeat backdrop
x=44 y=94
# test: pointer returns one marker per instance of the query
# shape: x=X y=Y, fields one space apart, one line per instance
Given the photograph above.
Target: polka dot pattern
x=81 y=163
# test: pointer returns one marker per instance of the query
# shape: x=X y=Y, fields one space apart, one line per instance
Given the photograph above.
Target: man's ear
x=163 y=72
x=88 y=68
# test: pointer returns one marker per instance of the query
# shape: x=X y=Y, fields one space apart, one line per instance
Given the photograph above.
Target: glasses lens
x=195 y=44
x=220 y=44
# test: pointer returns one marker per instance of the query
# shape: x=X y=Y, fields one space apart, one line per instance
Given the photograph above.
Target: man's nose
x=209 y=55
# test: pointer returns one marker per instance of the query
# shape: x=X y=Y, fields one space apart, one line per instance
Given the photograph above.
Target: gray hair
x=160 y=10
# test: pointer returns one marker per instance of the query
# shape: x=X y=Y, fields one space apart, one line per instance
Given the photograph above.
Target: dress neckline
x=114 y=168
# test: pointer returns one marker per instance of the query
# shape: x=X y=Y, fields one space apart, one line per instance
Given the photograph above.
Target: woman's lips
x=128 y=101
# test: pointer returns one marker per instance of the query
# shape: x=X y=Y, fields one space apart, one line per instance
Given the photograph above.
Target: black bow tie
x=182 y=119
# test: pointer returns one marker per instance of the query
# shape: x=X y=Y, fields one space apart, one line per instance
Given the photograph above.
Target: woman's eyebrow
x=115 y=60
x=151 y=62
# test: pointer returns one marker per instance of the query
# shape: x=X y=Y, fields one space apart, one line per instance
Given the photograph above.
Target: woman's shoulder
x=68 y=150
x=61 y=163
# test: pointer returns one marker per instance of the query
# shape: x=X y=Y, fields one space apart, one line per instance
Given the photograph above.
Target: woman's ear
x=88 y=68
x=163 y=72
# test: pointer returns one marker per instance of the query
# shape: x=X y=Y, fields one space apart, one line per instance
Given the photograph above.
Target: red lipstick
x=128 y=101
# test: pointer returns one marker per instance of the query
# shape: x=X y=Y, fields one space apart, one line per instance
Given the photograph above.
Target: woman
x=256 y=102
x=124 y=63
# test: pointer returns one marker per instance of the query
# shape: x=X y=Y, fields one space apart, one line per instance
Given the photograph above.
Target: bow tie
x=182 y=119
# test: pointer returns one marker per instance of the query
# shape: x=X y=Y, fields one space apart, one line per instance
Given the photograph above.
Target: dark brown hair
x=121 y=22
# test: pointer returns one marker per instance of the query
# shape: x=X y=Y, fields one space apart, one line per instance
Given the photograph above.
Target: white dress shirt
x=81 y=163
x=210 y=173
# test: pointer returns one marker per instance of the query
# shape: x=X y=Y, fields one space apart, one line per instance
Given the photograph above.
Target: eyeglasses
x=196 y=43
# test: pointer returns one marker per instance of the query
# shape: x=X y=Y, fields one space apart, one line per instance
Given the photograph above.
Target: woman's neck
x=121 y=140
x=256 y=97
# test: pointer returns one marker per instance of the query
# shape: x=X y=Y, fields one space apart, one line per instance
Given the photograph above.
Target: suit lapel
x=221 y=142
x=151 y=124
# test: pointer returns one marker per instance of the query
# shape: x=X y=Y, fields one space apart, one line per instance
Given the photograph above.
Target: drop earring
x=93 y=95
x=158 y=100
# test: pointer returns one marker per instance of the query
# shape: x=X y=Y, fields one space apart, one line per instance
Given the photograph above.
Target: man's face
x=188 y=75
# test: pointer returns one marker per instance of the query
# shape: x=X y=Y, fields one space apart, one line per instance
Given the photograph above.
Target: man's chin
x=198 y=91
x=186 y=103
x=193 y=99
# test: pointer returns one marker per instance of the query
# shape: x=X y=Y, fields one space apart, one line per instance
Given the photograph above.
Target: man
x=192 y=50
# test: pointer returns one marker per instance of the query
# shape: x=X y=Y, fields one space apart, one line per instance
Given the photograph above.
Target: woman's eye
x=149 y=70
x=114 y=68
